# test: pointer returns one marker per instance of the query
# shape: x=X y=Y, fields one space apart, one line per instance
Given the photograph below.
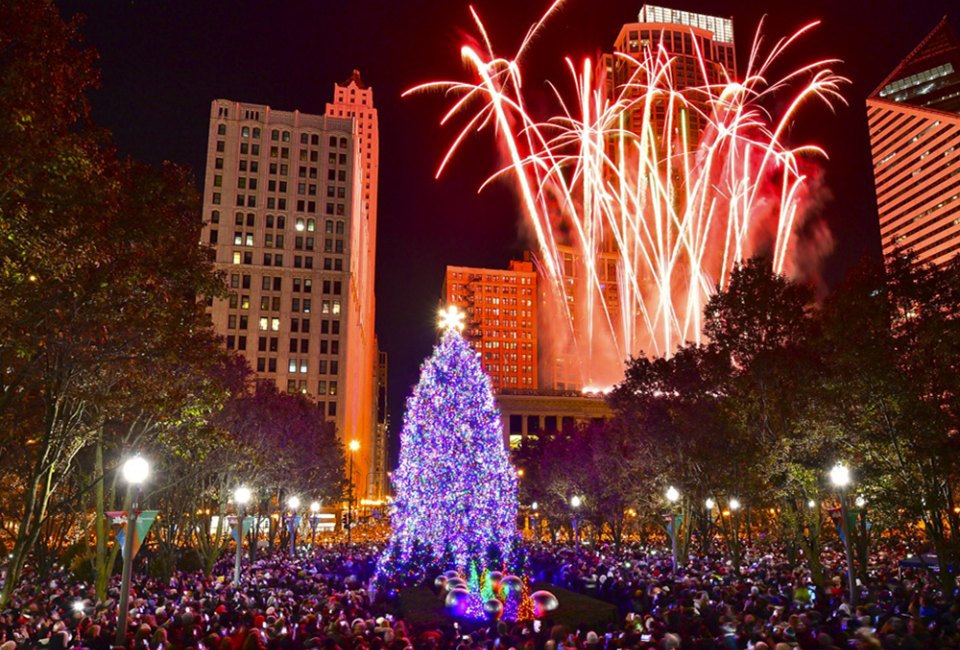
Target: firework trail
x=636 y=219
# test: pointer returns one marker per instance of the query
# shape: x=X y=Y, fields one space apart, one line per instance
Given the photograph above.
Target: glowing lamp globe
x=576 y=501
x=293 y=502
x=860 y=502
x=136 y=470
x=315 y=507
x=840 y=475
x=673 y=494
x=710 y=503
x=241 y=496
x=734 y=503
x=354 y=445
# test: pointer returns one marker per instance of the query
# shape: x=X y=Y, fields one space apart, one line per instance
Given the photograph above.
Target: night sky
x=163 y=61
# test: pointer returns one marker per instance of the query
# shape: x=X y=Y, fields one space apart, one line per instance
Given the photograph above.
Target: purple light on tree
x=456 y=490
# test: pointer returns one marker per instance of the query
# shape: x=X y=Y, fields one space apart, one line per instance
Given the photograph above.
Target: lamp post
x=673 y=520
x=354 y=447
x=840 y=477
x=135 y=471
x=293 y=503
x=241 y=496
x=314 y=514
x=575 y=503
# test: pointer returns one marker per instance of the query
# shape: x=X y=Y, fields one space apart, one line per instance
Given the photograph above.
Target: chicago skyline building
x=687 y=38
x=505 y=325
x=500 y=306
x=914 y=123
x=701 y=50
x=289 y=207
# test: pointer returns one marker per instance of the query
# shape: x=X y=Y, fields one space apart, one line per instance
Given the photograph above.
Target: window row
x=276 y=259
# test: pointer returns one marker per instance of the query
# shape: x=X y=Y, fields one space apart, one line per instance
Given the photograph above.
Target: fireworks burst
x=637 y=216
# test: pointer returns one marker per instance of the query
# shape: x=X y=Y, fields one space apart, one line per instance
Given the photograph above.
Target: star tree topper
x=450 y=318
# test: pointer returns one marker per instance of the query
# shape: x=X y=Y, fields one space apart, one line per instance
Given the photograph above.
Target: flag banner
x=837 y=517
x=247 y=525
x=118 y=520
x=673 y=520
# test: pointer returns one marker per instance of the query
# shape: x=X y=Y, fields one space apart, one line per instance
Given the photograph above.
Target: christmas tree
x=455 y=489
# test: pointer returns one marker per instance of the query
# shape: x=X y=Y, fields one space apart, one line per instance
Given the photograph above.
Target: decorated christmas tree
x=455 y=489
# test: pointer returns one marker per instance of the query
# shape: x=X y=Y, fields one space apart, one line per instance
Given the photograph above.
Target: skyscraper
x=688 y=38
x=914 y=122
x=701 y=51
x=501 y=319
x=285 y=205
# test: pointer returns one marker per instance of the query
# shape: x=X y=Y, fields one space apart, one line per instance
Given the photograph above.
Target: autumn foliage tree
x=103 y=341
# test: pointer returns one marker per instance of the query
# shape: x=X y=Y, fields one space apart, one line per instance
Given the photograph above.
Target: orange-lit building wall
x=353 y=100
x=501 y=319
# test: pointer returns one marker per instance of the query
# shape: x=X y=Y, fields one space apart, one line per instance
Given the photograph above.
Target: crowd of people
x=326 y=598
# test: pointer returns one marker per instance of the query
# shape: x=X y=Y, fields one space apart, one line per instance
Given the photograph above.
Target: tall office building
x=687 y=38
x=914 y=122
x=285 y=201
x=701 y=51
x=353 y=100
x=501 y=319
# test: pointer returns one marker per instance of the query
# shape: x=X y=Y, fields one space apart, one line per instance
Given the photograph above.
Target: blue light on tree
x=455 y=489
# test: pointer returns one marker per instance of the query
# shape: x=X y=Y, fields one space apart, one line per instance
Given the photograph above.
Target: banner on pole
x=118 y=520
x=247 y=525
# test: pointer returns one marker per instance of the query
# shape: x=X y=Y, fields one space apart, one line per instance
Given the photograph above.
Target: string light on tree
x=456 y=490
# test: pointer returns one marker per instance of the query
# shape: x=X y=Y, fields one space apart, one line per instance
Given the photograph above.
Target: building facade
x=380 y=447
x=501 y=319
x=702 y=51
x=284 y=206
x=526 y=413
x=914 y=123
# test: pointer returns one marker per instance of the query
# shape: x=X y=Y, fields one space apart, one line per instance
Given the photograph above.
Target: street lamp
x=314 y=516
x=135 y=471
x=293 y=503
x=575 y=503
x=241 y=496
x=673 y=520
x=710 y=503
x=354 y=447
x=840 y=477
